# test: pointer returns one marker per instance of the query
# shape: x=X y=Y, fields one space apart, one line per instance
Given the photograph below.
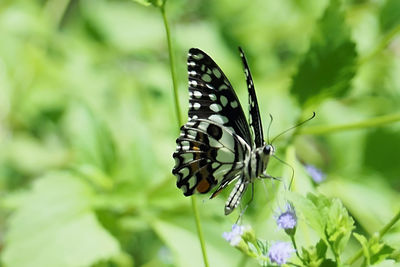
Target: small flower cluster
x=316 y=174
x=243 y=238
x=280 y=252
x=287 y=220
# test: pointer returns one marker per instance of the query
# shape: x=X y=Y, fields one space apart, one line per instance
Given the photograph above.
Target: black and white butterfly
x=215 y=146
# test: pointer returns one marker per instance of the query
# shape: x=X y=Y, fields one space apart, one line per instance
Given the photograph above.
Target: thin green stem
x=381 y=45
x=57 y=9
x=199 y=230
x=295 y=247
x=179 y=121
x=172 y=66
x=381 y=233
x=374 y=122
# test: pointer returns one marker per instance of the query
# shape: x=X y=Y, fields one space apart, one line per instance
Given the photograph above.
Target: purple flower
x=280 y=252
x=287 y=220
x=234 y=236
x=316 y=174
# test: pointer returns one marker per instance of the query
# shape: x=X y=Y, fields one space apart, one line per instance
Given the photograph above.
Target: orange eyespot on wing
x=203 y=186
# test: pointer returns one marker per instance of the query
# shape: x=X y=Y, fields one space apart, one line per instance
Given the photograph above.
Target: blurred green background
x=87 y=122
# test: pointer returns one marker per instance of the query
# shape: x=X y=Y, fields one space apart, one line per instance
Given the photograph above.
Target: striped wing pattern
x=211 y=95
x=254 y=118
x=207 y=154
x=215 y=146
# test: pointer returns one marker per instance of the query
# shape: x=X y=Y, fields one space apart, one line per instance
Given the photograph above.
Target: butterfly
x=217 y=145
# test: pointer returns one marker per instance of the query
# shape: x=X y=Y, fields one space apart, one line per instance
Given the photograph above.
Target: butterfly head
x=268 y=150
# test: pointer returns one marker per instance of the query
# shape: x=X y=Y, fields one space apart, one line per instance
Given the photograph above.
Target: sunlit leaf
x=390 y=15
x=329 y=65
x=55 y=226
x=186 y=248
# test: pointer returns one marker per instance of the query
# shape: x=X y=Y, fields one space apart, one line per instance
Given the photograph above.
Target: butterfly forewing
x=254 y=118
x=207 y=153
x=212 y=97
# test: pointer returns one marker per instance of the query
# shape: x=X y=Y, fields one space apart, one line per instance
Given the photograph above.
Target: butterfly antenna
x=293 y=127
x=269 y=127
x=290 y=166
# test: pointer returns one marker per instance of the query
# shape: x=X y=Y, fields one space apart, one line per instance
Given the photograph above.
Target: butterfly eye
x=268 y=149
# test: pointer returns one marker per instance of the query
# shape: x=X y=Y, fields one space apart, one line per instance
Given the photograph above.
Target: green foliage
x=390 y=15
x=88 y=127
x=55 y=226
x=328 y=67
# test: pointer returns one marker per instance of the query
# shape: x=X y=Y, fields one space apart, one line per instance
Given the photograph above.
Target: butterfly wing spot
x=197 y=94
x=196 y=106
x=206 y=78
x=224 y=100
x=216 y=72
x=234 y=104
x=212 y=97
x=197 y=56
x=215 y=107
x=223 y=87
x=203 y=186
x=218 y=119
x=193 y=83
x=214 y=131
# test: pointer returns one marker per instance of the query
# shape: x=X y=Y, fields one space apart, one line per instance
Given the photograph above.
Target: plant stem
x=295 y=247
x=381 y=233
x=179 y=120
x=374 y=122
x=381 y=45
x=199 y=230
x=172 y=67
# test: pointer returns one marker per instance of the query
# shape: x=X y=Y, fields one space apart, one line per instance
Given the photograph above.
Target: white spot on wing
x=218 y=119
x=234 y=104
x=196 y=106
x=225 y=155
x=185 y=171
x=197 y=94
x=215 y=107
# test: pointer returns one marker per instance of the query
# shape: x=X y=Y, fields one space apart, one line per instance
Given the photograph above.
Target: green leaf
x=55 y=226
x=156 y=3
x=364 y=244
x=329 y=65
x=309 y=212
x=321 y=248
x=327 y=217
x=380 y=252
x=186 y=248
x=90 y=138
x=142 y=2
x=390 y=15
x=387 y=263
x=315 y=256
x=339 y=225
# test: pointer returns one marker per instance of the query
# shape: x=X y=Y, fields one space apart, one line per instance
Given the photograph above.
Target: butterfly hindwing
x=211 y=95
x=254 y=118
x=207 y=153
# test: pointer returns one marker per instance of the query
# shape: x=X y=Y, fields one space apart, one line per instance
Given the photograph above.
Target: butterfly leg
x=265 y=175
x=242 y=211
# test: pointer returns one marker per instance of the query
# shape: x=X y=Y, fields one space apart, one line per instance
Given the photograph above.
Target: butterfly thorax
x=256 y=163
